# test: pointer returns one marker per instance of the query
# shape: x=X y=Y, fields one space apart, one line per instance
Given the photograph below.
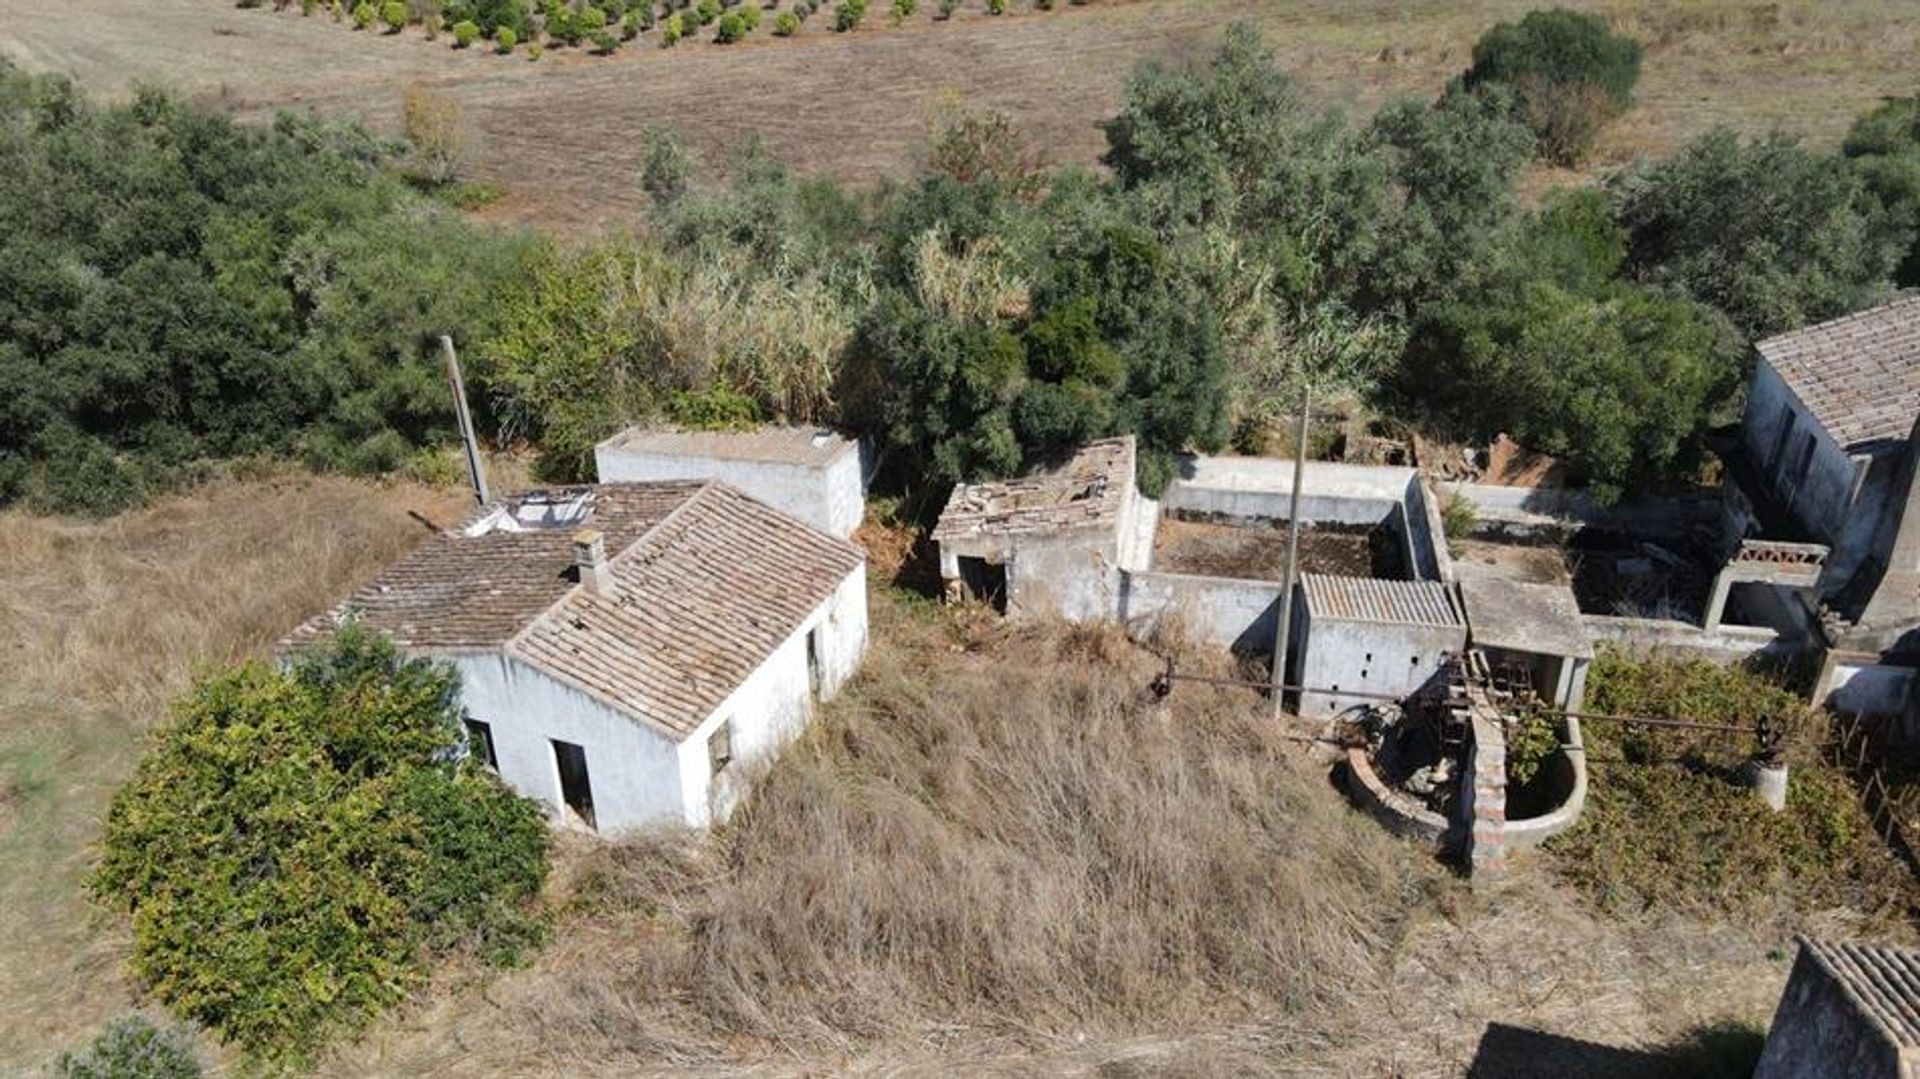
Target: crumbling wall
x=1239 y=614
x=1483 y=793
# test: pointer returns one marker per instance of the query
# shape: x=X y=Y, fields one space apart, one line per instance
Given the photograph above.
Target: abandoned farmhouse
x=628 y=651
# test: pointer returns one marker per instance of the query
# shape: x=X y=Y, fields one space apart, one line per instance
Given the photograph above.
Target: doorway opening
x=576 y=790
x=985 y=581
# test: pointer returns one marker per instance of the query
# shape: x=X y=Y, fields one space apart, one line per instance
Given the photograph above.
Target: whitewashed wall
x=773 y=706
x=633 y=770
x=639 y=776
x=831 y=498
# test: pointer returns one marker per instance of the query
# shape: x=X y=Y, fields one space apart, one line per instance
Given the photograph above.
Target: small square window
x=480 y=743
x=720 y=746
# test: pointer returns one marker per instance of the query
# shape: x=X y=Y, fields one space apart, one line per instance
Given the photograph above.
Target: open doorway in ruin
x=985 y=581
x=576 y=789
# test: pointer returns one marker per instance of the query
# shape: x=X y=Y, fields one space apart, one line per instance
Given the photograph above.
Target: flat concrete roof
x=1519 y=616
x=808 y=447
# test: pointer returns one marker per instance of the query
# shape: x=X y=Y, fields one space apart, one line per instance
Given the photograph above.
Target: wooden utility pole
x=474 y=470
x=1283 y=633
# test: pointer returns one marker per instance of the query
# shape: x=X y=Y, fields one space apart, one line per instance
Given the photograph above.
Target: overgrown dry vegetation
x=101 y=623
x=1667 y=826
x=992 y=836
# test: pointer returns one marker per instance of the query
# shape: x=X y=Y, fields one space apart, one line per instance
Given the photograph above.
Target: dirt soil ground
x=1260 y=554
x=563 y=135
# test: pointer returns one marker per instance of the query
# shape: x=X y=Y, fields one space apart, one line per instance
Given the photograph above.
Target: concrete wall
x=1869 y=689
x=1237 y=614
x=832 y=499
x=1260 y=489
x=1818 y=497
x=774 y=705
x=1553 y=512
x=633 y=770
x=1373 y=657
x=639 y=776
x=1727 y=644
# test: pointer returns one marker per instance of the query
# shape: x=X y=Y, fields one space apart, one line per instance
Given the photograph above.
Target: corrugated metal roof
x=1370 y=599
x=1858 y=375
x=1884 y=983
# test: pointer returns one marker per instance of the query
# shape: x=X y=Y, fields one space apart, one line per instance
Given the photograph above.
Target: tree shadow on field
x=1719 y=1051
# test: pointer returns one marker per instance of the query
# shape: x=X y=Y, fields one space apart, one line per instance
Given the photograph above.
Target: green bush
x=299 y=842
x=394 y=14
x=786 y=24
x=365 y=15
x=465 y=34
x=672 y=28
x=996 y=7
x=730 y=29
x=705 y=11
x=749 y=14
x=535 y=50
x=1457 y=515
x=903 y=10
x=1569 y=73
x=1884 y=146
x=603 y=42
x=848 y=14
x=132 y=1048
x=504 y=39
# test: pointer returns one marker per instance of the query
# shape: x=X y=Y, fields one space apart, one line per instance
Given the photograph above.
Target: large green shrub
x=132 y=1048
x=394 y=14
x=1773 y=234
x=250 y=289
x=848 y=14
x=364 y=15
x=299 y=842
x=1568 y=71
x=786 y=24
x=730 y=29
x=1884 y=146
x=465 y=34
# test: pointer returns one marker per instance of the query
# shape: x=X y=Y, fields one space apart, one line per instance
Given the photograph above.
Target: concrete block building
x=1053 y=540
x=1370 y=636
x=627 y=652
x=813 y=473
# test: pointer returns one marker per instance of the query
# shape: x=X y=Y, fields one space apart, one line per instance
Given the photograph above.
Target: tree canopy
x=299 y=842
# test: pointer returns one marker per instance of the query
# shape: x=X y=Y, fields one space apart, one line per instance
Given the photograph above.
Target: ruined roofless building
x=626 y=650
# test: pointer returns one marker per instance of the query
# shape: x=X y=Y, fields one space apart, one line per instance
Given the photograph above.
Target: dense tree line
x=175 y=288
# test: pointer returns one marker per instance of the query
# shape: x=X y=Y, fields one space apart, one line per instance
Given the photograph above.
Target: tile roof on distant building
x=708 y=583
x=1088 y=489
x=1883 y=983
x=1371 y=599
x=1858 y=375
x=807 y=447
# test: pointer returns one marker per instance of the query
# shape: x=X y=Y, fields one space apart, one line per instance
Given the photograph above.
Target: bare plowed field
x=563 y=134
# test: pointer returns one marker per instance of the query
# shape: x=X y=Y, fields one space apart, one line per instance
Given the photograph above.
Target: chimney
x=590 y=558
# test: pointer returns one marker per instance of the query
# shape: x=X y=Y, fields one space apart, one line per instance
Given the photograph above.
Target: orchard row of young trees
x=606 y=25
x=176 y=288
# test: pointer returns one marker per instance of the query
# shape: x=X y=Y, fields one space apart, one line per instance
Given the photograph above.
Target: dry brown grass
x=101 y=623
x=994 y=839
x=563 y=134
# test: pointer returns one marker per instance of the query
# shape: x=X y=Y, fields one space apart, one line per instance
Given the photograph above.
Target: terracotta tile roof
x=1858 y=375
x=1088 y=489
x=1883 y=983
x=1370 y=599
x=709 y=583
x=808 y=447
